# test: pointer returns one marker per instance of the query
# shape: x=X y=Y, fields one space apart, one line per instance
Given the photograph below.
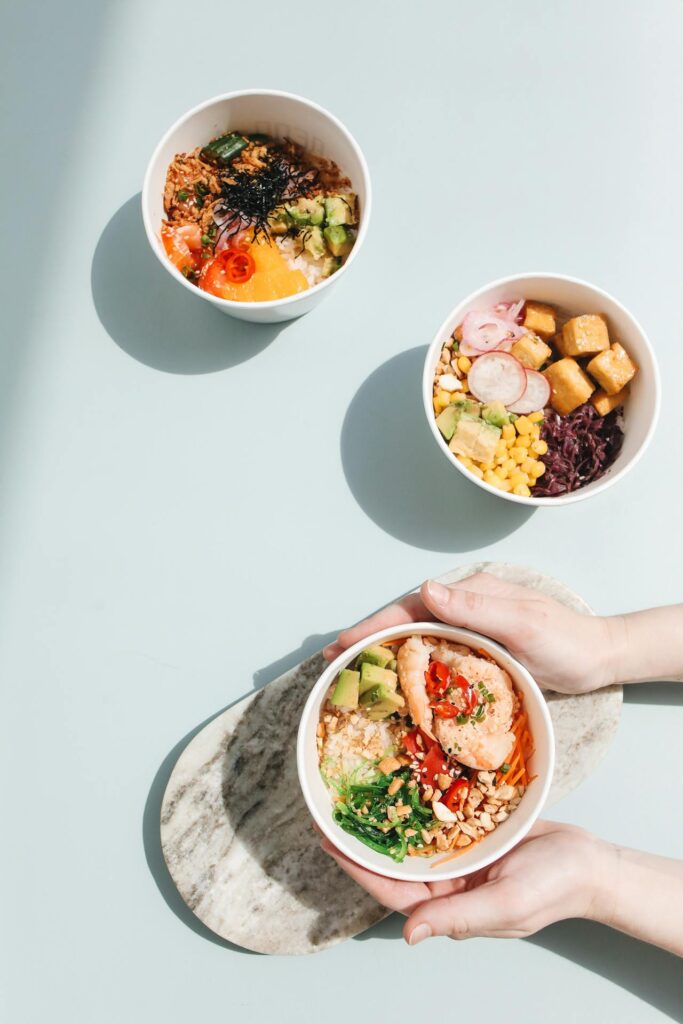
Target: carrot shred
x=452 y=854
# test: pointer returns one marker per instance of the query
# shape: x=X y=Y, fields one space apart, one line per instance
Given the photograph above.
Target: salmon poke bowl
x=425 y=752
x=542 y=389
x=257 y=201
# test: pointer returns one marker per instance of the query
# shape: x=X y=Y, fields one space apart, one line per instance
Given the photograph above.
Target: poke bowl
x=425 y=752
x=542 y=389
x=257 y=201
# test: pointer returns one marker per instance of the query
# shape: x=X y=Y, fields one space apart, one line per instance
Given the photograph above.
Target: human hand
x=556 y=872
x=564 y=650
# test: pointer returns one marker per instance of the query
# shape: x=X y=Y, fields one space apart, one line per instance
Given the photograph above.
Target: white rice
x=355 y=742
x=303 y=261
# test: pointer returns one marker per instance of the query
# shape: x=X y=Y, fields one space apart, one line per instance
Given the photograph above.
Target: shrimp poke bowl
x=425 y=752
x=256 y=200
x=542 y=388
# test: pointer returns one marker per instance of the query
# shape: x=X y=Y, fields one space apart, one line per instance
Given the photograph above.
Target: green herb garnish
x=504 y=768
x=183 y=194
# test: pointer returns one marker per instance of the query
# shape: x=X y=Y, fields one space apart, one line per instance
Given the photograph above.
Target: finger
x=497 y=617
x=409 y=609
x=447 y=887
x=462 y=916
x=401 y=896
x=487 y=583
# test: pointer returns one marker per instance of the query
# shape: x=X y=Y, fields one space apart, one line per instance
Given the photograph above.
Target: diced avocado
x=314 y=242
x=329 y=265
x=346 y=691
x=496 y=414
x=475 y=439
x=385 y=707
x=375 y=655
x=307 y=211
x=373 y=675
x=447 y=421
x=340 y=209
x=279 y=221
x=392 y=664
x=375 y=693
x=339 y=240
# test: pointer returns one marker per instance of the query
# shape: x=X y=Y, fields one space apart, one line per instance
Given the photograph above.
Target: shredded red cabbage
x=581 y=447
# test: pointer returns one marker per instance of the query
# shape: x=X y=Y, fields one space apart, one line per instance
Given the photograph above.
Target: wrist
x=603 y=882
x=614 y=645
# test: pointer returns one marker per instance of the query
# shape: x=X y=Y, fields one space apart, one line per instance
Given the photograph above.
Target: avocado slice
x=346 y=691
x=329 y=265
x=373 y=675
x=339 y=240
x=379 y=693
x=475 y=438
x=340 y=209
x=314 y=242
x=496 y=414
x=279 y=221
x=307 y=211
x=375 y=655
x=447 y=420
x=384 y=708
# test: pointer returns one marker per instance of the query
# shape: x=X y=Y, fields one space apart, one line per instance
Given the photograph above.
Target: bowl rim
x=325 y=822
x=562 y=499
x=231 y=304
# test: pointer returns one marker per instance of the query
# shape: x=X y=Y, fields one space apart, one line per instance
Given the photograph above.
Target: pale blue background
x=189 y=504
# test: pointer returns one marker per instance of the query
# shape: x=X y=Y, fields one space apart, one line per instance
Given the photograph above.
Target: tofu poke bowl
x=256 y=200
x=542 y=389
x=425 y=752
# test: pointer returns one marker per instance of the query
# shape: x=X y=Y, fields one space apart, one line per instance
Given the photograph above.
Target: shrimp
x=486 y=744
x=412 y=661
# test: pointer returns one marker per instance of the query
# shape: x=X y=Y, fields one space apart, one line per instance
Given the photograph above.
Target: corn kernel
x=528 y=466
x=504 y=485
x=501 y=448
x=524 y=441
x=490 y=477
x=501 y=472
x=519 y=455
x=510 y=465
x=522 y=490
x=539 y=447
x=487 y=467
x=508 y=432
x=536 y=417
x=437 y=405
x=466 y=460
x=443 y=396
x=477 y=472
x=464 y=364
x=535 y=432
x=538 y=470
x=517 y=478
x=465 y=385
x=522 y=425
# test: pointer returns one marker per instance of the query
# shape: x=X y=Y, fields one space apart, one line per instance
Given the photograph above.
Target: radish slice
x=497 y=377
x=509 y=310
x=536 y=394
x=483 y=330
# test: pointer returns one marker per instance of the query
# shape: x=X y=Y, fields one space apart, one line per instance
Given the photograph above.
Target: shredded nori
x=248 y=198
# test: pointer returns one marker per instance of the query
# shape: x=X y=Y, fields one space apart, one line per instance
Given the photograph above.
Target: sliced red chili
x=413 y=747
x=469 y=696
x=437 y=678
x=239 y=265
x=435 y=763
x=456 y=795
x=444 y=709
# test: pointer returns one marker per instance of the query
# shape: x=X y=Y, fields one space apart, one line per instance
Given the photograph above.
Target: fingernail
x=423 y=931
x=437 y=592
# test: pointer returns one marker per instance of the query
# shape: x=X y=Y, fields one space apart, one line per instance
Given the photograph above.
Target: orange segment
x=272 y=279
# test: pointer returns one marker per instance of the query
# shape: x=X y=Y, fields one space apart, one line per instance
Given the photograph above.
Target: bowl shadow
x=152 y=318
x=400 y=479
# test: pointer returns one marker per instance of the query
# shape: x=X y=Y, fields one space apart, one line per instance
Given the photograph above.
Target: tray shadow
x=400 y=479
x=155 y=320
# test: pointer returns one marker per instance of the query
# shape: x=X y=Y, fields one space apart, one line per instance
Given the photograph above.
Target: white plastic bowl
x=574 y=297
x=274 y=113
x=503 y=838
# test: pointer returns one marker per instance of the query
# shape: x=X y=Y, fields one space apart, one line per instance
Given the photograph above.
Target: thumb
x=497 y=617
x=462 y=916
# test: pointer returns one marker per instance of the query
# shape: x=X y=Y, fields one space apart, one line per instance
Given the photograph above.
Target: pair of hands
x=557 y=871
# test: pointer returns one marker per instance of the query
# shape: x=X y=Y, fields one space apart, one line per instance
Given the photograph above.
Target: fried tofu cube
x=604 y=403
x=570 y=387
x=539 y=319
x=583 y=335
x=612 y=369
x=531 y=351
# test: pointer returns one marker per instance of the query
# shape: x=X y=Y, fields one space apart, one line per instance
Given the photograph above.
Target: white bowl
x=503 y=838
x=573 y=296
x=274 y=113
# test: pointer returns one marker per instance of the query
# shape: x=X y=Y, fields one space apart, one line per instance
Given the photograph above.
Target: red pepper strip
x=437 y=678
x=435 y=763
x=413 y=747
x=456 y=795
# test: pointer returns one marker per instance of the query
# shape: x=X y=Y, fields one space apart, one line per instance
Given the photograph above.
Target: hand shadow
x=666 y=694
x=401 y=480
x=153 y=318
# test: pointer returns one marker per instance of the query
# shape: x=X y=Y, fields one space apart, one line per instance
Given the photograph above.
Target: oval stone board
x=236 y=834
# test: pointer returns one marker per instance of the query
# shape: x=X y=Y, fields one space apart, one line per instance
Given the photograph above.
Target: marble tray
x=236 y=834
